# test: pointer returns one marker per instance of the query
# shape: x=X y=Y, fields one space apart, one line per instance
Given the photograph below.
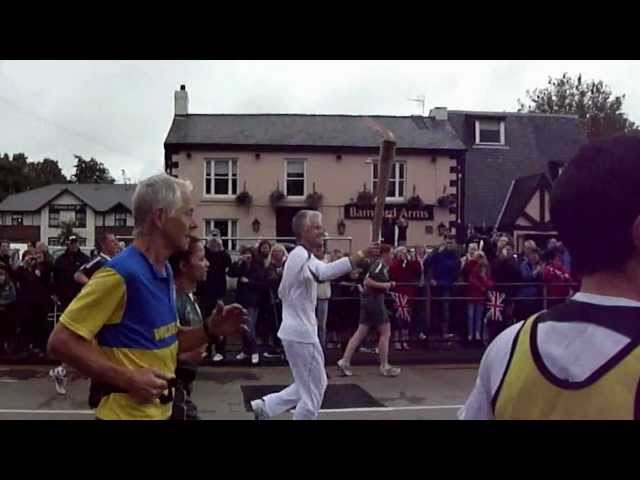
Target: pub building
x=252 y=172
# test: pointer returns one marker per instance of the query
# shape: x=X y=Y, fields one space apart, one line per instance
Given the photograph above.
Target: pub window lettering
x=490 y=132
x=397 y=180
x=221 y=176
x=294 y=178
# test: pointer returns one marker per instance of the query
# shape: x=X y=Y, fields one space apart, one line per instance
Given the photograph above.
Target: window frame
x=397 y=180
x=304 y=177
x=212 y=177
x=115 y=218
x=501 y=143
x=15 y=216
x=57 y=213
x=229 y=244
x=80 y=211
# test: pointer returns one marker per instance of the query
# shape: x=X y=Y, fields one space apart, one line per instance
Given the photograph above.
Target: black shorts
x=373 y=314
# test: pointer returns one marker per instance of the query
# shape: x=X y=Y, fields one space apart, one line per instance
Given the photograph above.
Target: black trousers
x=183 y=407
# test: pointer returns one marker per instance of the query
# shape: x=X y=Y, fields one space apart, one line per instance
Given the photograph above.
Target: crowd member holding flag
x=373 y=313
x=479 y=283
x=405 y=271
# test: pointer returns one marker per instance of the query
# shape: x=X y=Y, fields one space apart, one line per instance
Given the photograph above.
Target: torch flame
x=384 y=132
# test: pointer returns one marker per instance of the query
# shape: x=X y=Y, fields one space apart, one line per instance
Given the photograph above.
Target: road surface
x=421 y=392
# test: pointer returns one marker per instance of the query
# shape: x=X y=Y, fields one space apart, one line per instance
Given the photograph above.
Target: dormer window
x=490 y=132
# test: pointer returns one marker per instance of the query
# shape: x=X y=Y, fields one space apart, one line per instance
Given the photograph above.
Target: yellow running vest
x=527 y=393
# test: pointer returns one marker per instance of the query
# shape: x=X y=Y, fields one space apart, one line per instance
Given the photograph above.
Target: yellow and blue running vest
x=129 y=309
x=530 y=391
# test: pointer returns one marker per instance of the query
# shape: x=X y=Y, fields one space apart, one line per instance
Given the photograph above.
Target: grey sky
x=119 y=111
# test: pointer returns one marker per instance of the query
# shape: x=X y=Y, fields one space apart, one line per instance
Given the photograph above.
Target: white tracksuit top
x=299 y=290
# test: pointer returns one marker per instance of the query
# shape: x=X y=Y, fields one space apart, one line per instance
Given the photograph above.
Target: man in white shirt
x=299 y=329
x=580 y=359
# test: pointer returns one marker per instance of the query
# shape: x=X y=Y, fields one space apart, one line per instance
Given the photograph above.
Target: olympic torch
x=385 y=162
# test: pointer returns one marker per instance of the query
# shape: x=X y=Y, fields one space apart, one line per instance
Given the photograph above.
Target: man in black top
x=108 y=248
x=66 y=266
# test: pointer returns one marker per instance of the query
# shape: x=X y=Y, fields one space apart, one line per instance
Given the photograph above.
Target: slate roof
x=310 y=130
x=100 y=197
x=533 y=140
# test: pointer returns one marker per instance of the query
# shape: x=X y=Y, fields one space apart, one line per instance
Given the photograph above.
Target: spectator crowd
x=466 y=292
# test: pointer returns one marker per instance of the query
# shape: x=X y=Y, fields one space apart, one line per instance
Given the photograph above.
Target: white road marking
x=328 y=410
x=391 y=409
x=51 y=412
x=9 y=380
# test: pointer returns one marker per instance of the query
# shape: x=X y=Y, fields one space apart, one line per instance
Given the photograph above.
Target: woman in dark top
x=189 y=267
x=252 y=282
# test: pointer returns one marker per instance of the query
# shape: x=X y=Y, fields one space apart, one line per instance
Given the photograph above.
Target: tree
x=45 y=172
x=18 y=174
x=90 y=171
x=593 y=102
x=14 y=177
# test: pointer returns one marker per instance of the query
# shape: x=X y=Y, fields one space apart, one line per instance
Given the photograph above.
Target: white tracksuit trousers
x=306 y=361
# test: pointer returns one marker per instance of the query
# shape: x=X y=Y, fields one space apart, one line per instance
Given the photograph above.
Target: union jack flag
x=495 y=306
x=401 y=305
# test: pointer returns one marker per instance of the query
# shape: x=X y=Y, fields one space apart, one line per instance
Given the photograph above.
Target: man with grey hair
x=122 y=330
x=299 y=330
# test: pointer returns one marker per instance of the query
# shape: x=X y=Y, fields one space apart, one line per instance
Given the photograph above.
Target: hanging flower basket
x=445 y=201
x=415 y=202
x=365 y=197
x=276 y=197
x=244 y=199
x=314 y=199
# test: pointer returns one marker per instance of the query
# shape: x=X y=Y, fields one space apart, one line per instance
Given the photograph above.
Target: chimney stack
x=439 y=113
x=181 y=101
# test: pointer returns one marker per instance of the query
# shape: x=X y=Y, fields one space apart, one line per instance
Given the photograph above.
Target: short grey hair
x=157 y=191
x=301 y=219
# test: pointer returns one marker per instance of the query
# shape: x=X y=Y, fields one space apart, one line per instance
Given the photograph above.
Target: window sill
x=496 y=146
x=213 y=198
